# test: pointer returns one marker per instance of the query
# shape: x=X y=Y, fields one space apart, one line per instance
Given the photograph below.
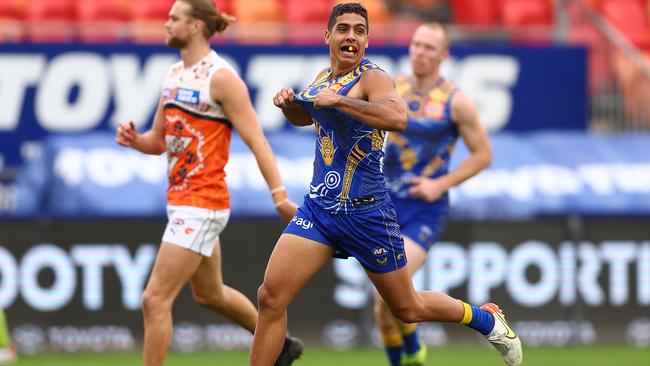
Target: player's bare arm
x=236 y=103
x=476 y=139
x=475 y=136
x=150 y=142
x=375 y=102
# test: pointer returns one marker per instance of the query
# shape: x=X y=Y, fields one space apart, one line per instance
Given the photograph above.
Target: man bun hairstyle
x=346 y=8
x=206 y=11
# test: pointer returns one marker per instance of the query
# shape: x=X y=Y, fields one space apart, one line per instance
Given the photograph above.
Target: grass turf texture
x=448 y=356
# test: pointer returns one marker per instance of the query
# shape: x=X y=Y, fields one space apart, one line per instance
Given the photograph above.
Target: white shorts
x=196 y=229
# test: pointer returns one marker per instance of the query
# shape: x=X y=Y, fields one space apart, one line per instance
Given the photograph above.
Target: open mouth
x=349 y=50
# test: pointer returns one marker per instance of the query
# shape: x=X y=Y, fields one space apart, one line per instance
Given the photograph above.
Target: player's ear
x=327 y=36
x=196 y=26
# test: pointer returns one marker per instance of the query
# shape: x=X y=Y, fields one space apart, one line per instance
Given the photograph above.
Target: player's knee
x=268 y=299
x=212 y=301
x=151 y=303
x=406 y=314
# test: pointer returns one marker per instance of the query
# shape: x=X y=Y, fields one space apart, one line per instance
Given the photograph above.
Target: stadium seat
x=378 y=12
x=13 y=9
x=150 y=10
x=317 y=12
x=258 y=21
x=306 y=24
x=147 y=21
x=12 y=13
x=51 y=20
x=516 y=13
x=102 y=20
x=476 y=13
x=629 y=17
x=527 y=21
x=224 y=6
x=253 y=11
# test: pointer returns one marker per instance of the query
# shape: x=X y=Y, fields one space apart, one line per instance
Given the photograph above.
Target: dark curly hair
x=346 y=8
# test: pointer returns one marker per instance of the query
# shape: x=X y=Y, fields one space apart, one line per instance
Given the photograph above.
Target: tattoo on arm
x=359 y=105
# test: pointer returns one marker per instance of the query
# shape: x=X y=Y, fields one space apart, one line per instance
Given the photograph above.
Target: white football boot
x=503 y=338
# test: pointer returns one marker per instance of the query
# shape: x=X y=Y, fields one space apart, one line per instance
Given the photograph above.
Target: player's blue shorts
x=373 y=237
x=422 y=222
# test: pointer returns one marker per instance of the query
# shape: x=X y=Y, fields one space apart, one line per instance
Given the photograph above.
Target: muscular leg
x=385 y=320
x=209 y=291
x=390 y=328
x=410 y=306
x=173 y=268
x=293 y=262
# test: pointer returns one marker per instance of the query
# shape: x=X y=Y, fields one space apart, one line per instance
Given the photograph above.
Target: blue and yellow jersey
x=425 y=148
x=348 y=175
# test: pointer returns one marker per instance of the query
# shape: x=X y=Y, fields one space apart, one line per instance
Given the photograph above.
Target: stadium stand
x=13 y=9
x=476 y=13
x=91 y=21
x=309 y=19
x=265 y=16
x=50 y=20
x=317 y=12
x=146 y=20
x=224 y=6
x=629 y=17
x=517 y=13
x=12 y=14
x=102 y=20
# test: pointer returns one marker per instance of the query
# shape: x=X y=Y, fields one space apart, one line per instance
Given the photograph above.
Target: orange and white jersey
x=197 y=133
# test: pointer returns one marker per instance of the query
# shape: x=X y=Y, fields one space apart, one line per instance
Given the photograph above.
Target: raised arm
x=229 y=90
x=383 y=109
x=150 y=142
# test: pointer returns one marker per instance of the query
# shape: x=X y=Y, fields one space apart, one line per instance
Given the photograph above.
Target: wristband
x=277 y=189
x=281 y=202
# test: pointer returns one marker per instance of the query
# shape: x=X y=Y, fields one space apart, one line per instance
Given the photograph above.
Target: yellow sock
x=467 y=317
x=408 y=328
x=392 y=340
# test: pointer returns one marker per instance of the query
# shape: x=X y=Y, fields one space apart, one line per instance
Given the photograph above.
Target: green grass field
x=587 y=356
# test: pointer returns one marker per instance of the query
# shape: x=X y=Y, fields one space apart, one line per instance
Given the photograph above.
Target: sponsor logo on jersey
x=303 y=223
x=178 y=221
x=188 y=230
x=188 y=96
x=434 y=110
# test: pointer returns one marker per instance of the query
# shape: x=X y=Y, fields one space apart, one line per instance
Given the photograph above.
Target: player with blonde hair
x=203 y=98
